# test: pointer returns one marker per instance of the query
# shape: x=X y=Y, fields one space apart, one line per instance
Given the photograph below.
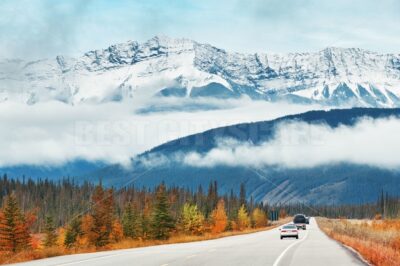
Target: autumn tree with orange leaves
x=88 y=235
x=102 y=213
x=117 y=232
x=219 y=218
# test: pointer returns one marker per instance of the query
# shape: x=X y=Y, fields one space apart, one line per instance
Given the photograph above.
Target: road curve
x=262 y=248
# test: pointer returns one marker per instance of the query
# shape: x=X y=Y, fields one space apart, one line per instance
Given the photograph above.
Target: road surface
x=313 y=248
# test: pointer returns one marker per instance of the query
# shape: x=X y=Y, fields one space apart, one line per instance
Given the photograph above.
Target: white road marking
x=191 y=256
x=276 y=263
x=164 y=264
x=90 y=259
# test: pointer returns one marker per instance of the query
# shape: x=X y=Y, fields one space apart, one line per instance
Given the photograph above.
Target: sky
x=45 y=28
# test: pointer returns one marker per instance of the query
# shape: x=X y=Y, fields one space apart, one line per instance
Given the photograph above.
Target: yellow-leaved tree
x=243 y=220
x=192 y=220
x=259 y=218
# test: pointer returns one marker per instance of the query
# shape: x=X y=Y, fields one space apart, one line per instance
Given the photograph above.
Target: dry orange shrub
x=376 y=254
x=384 y=225
x=377 y=241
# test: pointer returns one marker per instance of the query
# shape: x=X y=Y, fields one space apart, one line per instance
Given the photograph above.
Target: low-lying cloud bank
x=54 y=133
x=298 y=144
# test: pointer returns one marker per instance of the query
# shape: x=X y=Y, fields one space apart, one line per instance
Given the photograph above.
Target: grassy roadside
x=377 y=241
x=190 y=238
x=128 y=243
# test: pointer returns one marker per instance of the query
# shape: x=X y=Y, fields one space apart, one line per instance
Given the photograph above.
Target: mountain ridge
x=164 y=66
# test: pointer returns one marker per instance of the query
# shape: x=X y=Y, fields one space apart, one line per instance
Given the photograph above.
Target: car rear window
x=299 y=219
x=289 y=227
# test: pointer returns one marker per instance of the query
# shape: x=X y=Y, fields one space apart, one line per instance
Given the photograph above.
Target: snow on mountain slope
x=164 y=66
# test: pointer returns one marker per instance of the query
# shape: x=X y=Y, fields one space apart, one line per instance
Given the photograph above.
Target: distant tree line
x=386 y=207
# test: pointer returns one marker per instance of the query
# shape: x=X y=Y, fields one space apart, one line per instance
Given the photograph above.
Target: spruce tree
x=50 y=231
x=242 y=195
x=162 y=222
x=73 y=231
x=14 y=232
x=131 y=221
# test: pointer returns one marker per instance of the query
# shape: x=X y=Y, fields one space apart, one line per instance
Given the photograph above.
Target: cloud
x=49 y=28
x=54 y=133
x=298 y=144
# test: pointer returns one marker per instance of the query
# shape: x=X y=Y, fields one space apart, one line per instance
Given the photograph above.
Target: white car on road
x=289 y=230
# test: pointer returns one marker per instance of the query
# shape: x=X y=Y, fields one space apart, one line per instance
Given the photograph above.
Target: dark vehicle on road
x=300 y=221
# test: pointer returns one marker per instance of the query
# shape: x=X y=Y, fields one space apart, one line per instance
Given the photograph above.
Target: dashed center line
x=191 y=256
x=278 y=260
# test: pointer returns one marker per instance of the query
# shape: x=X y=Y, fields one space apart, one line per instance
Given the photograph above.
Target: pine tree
x=212 y=198
x=131 y=222
x=162 y=222
x=242 y=196
x=73 y=232
x=14 y=231
x=50 y=231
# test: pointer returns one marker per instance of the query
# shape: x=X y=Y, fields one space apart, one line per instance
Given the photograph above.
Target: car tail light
x=294 y=231
x=284 y=231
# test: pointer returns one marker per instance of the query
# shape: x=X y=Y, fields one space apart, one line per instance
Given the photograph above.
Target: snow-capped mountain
x=163 y=67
